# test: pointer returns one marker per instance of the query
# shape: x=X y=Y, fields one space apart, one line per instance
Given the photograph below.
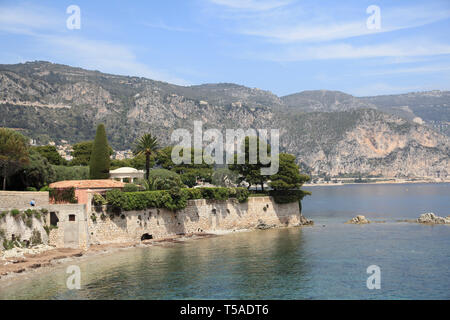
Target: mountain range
x=330 y=132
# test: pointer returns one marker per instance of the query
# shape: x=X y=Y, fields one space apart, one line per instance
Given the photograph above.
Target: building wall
x=21 y=199
x=57 y=237
x=200 y=216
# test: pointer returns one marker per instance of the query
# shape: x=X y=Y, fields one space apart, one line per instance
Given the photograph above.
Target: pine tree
x=100 y=161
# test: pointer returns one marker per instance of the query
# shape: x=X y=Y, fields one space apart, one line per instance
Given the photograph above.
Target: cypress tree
x=100 y=161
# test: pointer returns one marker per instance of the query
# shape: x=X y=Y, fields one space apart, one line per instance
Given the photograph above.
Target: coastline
x=371 y=183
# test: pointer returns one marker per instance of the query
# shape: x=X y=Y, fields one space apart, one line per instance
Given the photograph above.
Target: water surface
x=326 y=261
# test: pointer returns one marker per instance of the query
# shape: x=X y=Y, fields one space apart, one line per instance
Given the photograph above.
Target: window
x=71 y=217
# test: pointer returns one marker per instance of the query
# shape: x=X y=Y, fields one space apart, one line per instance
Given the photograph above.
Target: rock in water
x=431 y=218
x=358 y=220
x=305 y=221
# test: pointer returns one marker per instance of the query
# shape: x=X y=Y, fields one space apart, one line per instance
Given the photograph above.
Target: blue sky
x=284 y=46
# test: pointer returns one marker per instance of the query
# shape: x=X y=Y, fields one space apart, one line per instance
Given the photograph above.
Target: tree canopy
x=189 y=173
x=82 y=153
x=146 y=145
x=13 y=153
x=100 y=156
x=51 y=154
x=288 y=175
x=249 y=172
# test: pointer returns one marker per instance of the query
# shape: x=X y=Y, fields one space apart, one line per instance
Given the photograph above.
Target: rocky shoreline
x=425 y=218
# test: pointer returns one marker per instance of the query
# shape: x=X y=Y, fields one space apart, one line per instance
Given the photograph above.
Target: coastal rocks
x=263 y=226
x=305 y=221
x=358 y=220
x=20 y=252
x=431 y=218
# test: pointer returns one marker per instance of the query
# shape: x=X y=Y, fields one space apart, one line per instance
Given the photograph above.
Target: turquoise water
x=326 y=261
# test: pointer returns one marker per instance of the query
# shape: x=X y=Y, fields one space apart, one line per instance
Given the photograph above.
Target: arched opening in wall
x=53 y=219
x=146 y=236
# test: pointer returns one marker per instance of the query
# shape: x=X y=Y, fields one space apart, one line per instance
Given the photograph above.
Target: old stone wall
x=77 y=225
x=15 y=227
x=21 y=199
x=200 y=216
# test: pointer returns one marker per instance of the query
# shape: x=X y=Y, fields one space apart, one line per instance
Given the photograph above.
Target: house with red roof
x=83 y=187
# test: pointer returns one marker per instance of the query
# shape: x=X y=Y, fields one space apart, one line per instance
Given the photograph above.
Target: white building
x=126 y=174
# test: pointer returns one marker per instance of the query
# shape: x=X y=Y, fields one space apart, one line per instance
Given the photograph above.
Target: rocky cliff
x=330 y=132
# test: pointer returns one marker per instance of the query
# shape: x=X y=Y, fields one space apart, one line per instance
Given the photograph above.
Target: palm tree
x=148 y=145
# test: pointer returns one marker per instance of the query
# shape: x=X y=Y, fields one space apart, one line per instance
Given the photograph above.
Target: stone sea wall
x=200 y=216
x=21 y=199
x=16 y=228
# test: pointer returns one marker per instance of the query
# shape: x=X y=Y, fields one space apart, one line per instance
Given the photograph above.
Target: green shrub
x=98 y=200
x=66 y=195
x=288 y=196
x=173 y=199
x=30 y=189
x=35 y=237
x=115 y=198
x=3 y=214
x=37 y=214
x=29 y=213
x=130 y=187
x=103 y=216
x=29 y=222
x=8 y=244
x=162 y=179
x=49 y=228
x=93 y=217
x=45 y=188
x=15 y=212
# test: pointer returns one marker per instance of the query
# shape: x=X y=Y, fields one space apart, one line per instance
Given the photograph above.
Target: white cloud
x=106 y=57
x=301 y=22
x=347 y=51
x=46 y=30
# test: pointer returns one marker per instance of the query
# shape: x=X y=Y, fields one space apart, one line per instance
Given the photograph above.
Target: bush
x=3 y=214
x=35 y=237
x=29 y=222
x=45 y=188
x=130 y=187
x=288 y=196
x=93 y=217
x=66 y=195
x=15 y=212
x=162 y=179
x=173 y=199
x=98 y=200
x=30 y=189
x=49 y=228
x=8 y=244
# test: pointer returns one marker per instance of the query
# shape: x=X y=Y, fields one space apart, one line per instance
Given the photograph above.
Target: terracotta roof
x=87 y=184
